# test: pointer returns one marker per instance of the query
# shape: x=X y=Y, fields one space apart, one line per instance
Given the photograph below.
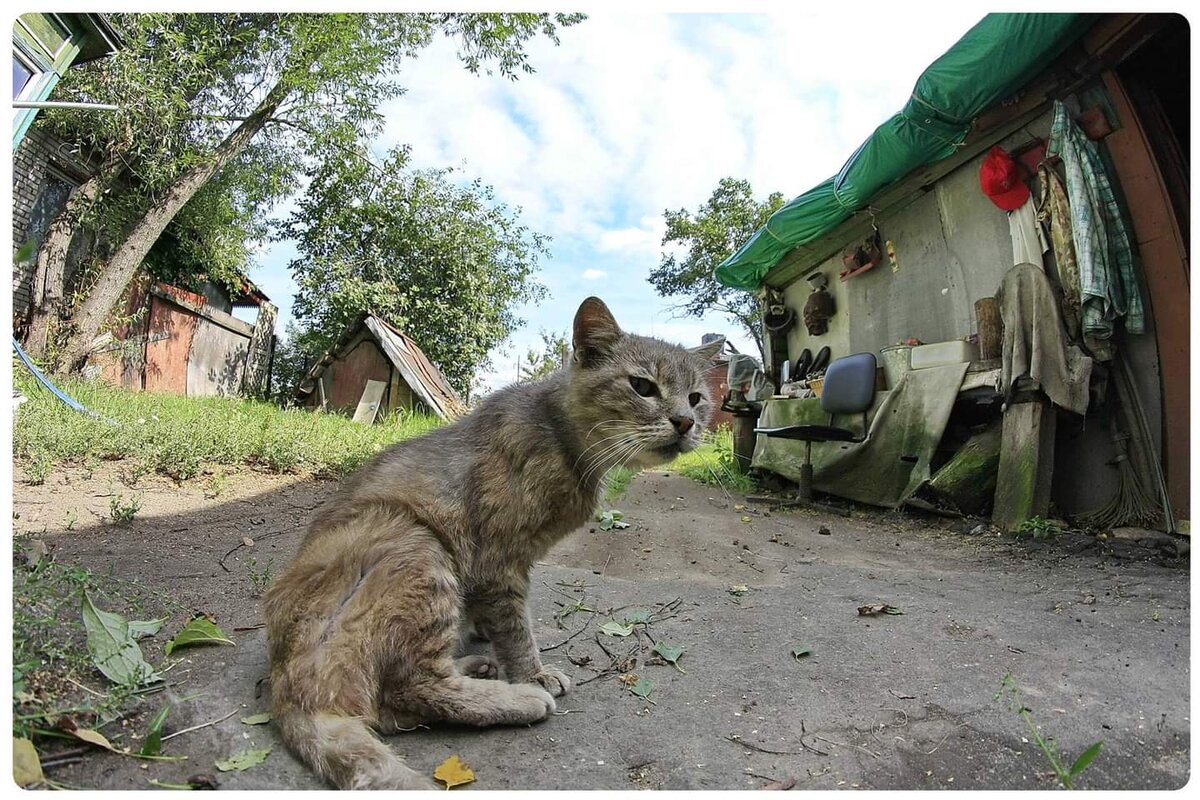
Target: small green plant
x=259 y=578
x=611 y=520
x=72 y=518
x=37 y=469
x=132 y=474
x=1039 y=528
x=122 y=510
x=1049 y=747
x=217 y=484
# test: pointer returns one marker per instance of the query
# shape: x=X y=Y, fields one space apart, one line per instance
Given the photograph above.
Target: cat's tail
x=345 y=752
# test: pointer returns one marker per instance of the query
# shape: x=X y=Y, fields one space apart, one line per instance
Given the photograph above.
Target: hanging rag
x=1108 y=286
x=1027 y=238
x=1034 y=343
x=1054 y=211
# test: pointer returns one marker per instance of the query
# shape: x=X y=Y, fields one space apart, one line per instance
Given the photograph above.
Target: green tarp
x=994 y=59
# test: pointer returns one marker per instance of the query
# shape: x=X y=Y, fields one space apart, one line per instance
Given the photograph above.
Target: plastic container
x=941 y=354
x=896 y=362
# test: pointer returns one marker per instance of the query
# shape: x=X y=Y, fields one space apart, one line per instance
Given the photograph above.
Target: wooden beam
x=1026 y=466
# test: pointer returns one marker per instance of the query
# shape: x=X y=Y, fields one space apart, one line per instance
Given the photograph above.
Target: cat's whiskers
x=615 y=453
x=600 y=461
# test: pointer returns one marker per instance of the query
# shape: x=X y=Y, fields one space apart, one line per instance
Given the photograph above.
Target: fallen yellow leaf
x=453 y=772
x=93 y=737
x=746 y=518
x=27 y=767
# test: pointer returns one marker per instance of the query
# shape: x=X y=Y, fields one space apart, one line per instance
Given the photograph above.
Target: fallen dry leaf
x=783 y=785
x=27 y=767
x=877 y=608
x=454 y=772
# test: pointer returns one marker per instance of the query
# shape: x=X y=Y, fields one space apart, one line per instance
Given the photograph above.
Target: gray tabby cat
x=363 y=626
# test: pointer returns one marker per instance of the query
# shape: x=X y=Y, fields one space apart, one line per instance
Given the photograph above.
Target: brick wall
x=37 y=152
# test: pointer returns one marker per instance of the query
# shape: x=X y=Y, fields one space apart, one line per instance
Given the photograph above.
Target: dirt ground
x=1095 y=634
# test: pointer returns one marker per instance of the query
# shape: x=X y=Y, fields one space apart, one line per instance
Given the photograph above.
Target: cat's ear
x=594 y=332
x=709 y=350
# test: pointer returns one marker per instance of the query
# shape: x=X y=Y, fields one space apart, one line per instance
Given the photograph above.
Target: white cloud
x=635 y=113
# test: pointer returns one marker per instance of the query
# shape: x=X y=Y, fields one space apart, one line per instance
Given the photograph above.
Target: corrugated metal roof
x=426 y=380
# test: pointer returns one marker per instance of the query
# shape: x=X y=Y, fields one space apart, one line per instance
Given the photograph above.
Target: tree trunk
x=126 y=260
x=50 y=273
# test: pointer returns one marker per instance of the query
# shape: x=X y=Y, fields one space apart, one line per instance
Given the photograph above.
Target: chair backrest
x=849 y=386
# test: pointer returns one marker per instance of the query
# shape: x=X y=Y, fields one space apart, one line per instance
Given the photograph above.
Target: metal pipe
x=64 y=104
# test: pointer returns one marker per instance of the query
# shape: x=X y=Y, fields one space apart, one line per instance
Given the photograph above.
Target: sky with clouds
x=635 y=113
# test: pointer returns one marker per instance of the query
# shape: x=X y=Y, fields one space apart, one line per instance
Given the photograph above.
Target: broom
x=1132 y=504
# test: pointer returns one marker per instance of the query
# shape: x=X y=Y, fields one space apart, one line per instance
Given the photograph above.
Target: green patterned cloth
x=1108 y=285
x=906 y=426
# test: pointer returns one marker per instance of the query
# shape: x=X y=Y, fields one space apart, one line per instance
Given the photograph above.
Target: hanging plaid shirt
x=1108 y=285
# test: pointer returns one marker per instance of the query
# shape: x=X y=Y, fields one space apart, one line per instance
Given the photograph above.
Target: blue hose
x=44 y=381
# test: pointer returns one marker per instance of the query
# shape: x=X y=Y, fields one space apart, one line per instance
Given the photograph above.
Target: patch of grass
x=616 y=482
x=53 y=673
x=713 y=463
x=37 y=468
x=180 y=436
x=1066 y=775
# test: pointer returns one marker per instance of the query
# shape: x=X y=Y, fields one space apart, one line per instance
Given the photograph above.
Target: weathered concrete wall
x=953 y=247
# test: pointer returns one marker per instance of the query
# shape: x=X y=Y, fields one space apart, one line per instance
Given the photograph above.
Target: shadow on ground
x=1097 y=642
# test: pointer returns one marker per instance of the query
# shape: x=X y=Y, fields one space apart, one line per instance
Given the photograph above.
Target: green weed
x=259 y=578
x=1049 y=747
x=53 y=673
x=37 y=468
x=1039 y=528
x=122 y=510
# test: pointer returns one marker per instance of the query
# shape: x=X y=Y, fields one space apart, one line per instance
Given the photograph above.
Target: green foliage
x=1049 y=747
x=37 y=468
x=299 y=86
x=538 y=364
x=1039 y=528
x=444 y=263
x=122 y=510
x=713 y=463
x=260 y=577
x=714 y=232
x=50 y=641
x=180 y=436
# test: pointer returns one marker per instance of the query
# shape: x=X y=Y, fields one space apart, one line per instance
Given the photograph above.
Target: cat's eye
x=642 y=386
x=694 y=398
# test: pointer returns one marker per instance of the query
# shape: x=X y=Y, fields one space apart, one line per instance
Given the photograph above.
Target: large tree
x=295 y=85
x=708 y=236
x=443 y=262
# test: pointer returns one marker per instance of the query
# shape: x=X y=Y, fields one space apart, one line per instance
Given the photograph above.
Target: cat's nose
x=682 y=424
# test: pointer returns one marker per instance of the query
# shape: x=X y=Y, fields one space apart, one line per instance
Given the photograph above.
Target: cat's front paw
x=478 y=666
x=553 y=680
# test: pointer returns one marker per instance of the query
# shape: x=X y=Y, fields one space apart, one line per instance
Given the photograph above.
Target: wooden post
x=967 y=481
x=989 y=326
x=1026 y=462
